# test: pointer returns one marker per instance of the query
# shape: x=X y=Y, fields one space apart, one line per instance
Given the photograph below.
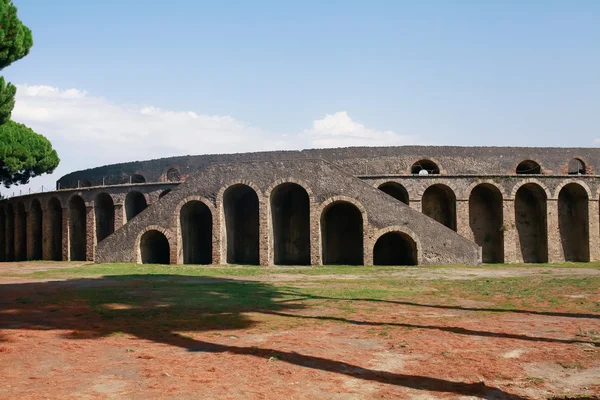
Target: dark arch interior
x=137 y=178
x=241 y=222
x=105 y=216
x=395 y=248
x=342 y=234
x=486 y=221
x=55 y=229
x=2 y=235
x=10 y=234
x=573 y=222
x=135 y=203
x=290 y=213
x=36 y=230
x=425 y=165
x=439 y=203
x=395 y=190
x=21 y=233
x=163 y=193
x=77 y=224
x=529 y=167
x=154 y=248
x=531 y=222
x=196 y=233
x=173 y=175
x=576 y=167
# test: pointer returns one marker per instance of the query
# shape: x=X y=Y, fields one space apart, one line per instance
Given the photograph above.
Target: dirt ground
x=64 y=340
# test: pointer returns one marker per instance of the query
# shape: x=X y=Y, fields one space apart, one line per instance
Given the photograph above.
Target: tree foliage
x=24 y=154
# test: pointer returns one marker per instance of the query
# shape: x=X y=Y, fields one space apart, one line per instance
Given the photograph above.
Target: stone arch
x=164 y=193
x=154 y=248
x=395 y=190
x=342 y=233
x=531 y=222
x=395 y=248
x=576 y=167
x=166 y=233
x=77 y=229
x=138 y=178
x=564 y=183
x=486 y=221
x=290 y=220
x=35 y=232
x=21 y=233
x=528 y=167
x=240 y=206
x=425 y=164
x=55 y=229
x=518 y=185
x=573 y=222
x=104 y=210
x=439 y=202
x=173 y=175
x=10 y=233
x=135 y=203
x=196 y=232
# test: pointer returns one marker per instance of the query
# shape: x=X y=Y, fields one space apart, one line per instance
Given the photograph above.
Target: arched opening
x=290 y=215
x=137 y=178
x=576 y=167
x=240 y=204
x=424 y=167
x=395 y=248
x=529 y=167
x=196 y=233
x=531 y=222
x=439 y=203
x=104 y=209
x=2 y=234
x=163 y=193
x=10 y=233
x=395 y=190
x=55 y=229
x=21 y=233
x=573 y=222
x=36 y=230
x=77 y=224
x=154 y=248
x=135 y=203
x=486 y=221
x=173 y=175
x=342 y=234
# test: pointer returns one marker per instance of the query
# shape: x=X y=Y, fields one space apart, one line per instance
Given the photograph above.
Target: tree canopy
x=24 y=154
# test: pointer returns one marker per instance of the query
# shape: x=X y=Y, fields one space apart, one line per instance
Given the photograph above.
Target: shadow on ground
x=157 y=307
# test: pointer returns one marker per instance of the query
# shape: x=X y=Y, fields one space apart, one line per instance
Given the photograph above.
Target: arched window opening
x=342 y=234
x=135 y=203
x=240 y=204
x=486 y=221
x=576 y=167
x=395 y=248
x=164 y=193
x=154 y=248
x=395 y=190
x=290 y=213
x=573 y=222
x=55 y=229
x=137 y=178
x=439 y=203
x=425 y=167
x=36 y=230
x=104 y=209
x=21 y=233
x=77 y=225
x=196 y=233
x=531 y=223
x=173 y=175
x=529 y=167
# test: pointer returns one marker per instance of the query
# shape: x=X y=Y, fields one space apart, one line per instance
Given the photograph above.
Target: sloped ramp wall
x=324 y=184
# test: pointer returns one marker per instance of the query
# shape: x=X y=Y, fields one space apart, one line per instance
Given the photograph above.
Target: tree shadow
x=161 y=308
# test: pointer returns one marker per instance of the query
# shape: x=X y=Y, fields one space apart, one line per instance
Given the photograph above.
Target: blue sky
x=192 y=77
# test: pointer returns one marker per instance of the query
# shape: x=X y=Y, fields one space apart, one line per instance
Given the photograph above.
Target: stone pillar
x=463 y=227
x=119 y=216
x=20 y=236
x=29 y=238
x=264 y=234
x=594 y=233
x=511 y=242
x=316 y=257
x=415 y=205
x=368 y=244
x=90 y=233
x=46 y=234
x=555 y=249
x=66 y=236
x=9 y=232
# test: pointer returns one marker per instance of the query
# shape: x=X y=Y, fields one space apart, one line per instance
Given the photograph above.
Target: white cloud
x=89 y=131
